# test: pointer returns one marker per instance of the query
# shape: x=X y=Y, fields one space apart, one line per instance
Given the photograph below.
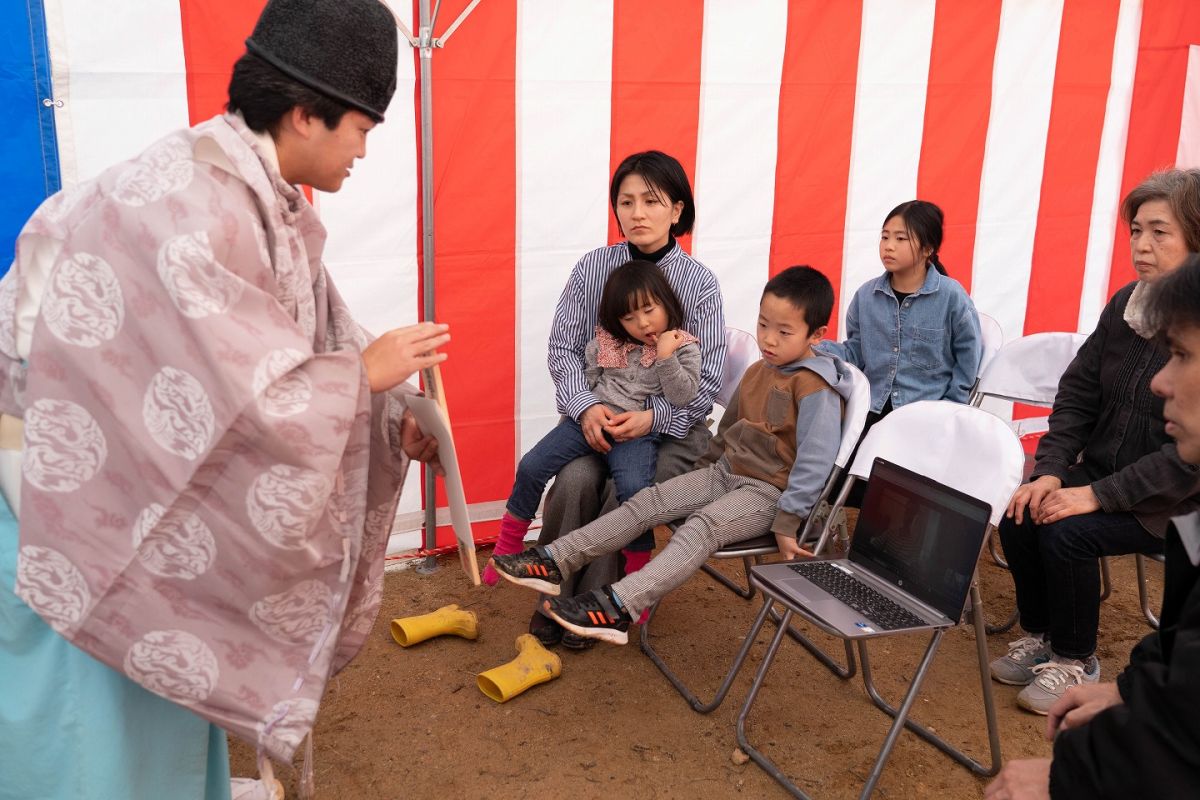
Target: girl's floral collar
x=614 y=353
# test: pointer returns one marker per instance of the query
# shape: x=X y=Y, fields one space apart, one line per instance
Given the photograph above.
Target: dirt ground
x=411 y=723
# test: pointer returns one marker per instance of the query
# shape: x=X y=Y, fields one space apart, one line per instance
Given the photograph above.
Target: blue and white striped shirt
x=575 y=323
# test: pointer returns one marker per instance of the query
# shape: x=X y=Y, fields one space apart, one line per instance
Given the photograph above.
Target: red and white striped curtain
x=801 y=123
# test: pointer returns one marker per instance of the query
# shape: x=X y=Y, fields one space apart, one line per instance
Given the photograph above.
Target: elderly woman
x=1107 y=476
x=652 y=201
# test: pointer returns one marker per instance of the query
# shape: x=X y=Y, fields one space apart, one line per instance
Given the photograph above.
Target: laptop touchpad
x=814 y=597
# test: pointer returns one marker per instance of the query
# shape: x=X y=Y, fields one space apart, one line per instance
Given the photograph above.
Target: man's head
x=1173 y=309
x=793 y=314
x=317 y=75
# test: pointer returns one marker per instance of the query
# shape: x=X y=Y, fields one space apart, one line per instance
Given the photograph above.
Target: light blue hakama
x=73 y=729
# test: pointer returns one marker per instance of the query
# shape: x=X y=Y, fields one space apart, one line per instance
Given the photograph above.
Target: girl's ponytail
x=937 y=263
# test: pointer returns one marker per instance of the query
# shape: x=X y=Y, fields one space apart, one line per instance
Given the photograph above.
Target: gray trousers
x=721 y=508
x=582 y=492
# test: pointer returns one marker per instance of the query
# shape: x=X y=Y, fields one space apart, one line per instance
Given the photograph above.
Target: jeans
x=631 y=465
x=1057 y=575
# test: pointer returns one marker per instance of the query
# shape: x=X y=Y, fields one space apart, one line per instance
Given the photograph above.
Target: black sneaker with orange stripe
x=596 y=615
x=533 y=568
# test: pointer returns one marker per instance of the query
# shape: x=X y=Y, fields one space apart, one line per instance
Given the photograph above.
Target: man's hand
x=630 y=425
x=789 y=547
x=1025 y=779
x=1079 y=704
x=1031 y=494
x=395 y=356
x=1064 y=503
x=594 y=421
x=417 y=445
x=667 y=343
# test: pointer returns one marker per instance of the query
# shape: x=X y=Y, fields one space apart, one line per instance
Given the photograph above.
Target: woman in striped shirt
x=652 y=200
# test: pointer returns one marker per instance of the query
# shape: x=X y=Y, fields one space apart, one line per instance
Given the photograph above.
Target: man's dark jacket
x=1149 y=746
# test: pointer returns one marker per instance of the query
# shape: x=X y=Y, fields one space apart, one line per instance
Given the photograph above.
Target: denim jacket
x=926 y=348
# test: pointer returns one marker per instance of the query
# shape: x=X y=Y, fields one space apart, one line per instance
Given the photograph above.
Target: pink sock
x=511 y=540
x=635 y=560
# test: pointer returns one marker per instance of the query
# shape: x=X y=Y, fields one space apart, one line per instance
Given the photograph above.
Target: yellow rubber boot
x=534 y=664
x=447 y=620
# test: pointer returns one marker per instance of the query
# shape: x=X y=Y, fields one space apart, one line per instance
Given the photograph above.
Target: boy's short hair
x=1174 y=299
x=806 y=289
x=263 y=95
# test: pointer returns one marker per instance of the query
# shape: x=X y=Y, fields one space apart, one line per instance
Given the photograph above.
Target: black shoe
x=594 y=615
x=547 y=631
x=533 y=568
x=573 y=641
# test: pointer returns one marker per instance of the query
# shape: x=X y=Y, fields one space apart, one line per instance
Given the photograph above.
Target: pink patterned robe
x=207 y=481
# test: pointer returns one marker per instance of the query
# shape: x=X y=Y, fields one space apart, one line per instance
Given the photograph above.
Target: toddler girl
x=638 y=352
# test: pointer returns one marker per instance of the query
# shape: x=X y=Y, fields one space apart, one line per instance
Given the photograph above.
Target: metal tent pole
x=425 y=43
x=425 y=48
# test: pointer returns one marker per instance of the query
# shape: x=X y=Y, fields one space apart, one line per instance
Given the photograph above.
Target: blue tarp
x=28 y=149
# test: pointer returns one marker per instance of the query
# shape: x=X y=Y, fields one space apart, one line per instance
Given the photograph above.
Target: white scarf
x=1135 y=312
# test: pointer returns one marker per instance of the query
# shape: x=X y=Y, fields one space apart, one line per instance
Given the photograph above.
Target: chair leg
x=759 y=757
x=1005 y=626
x=900 y=716
x=1105 y=580
x=1143 y=592
x=989 y=706
x=889 y=742
x=695 y=702
x=995 y=551
x=745 y=593
x=845 y=673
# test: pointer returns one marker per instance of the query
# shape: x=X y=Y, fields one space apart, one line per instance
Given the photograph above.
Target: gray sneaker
x=1053 y=678
x=1016 y=668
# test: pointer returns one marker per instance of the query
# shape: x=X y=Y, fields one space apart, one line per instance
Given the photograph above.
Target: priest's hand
x=398 y=354
x=417 y=445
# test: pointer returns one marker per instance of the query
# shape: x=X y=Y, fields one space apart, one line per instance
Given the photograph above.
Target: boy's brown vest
x=758 y=431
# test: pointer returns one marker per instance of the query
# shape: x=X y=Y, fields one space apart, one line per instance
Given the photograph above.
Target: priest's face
x=329 y=155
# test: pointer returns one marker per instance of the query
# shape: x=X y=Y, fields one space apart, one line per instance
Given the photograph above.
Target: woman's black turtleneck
x=656 y=256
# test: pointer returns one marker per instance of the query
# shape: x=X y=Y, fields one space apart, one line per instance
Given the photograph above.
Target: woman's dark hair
x=630 y=286
x=1173 y=300
x=808 y=290
x=924 y=223
x=263 y=95
x=665 y=176
x=1179 y=189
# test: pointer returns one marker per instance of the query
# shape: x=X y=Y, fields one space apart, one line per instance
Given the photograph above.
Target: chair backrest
x=1027 y=370
x=854 y=416
x=958 y=445
x=992 y=337
x=741 y=350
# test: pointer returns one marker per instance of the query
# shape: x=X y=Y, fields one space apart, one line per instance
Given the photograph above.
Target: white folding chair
x=854 y=418
x=1027 y=371
x=980 y=457
x=741 y=351
x=992 y=336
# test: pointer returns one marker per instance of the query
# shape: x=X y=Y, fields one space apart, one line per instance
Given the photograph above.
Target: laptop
x=910 y=565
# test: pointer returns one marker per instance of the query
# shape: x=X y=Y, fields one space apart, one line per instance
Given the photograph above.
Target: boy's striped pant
x=721 y=507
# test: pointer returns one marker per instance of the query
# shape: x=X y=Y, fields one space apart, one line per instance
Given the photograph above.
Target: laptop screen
x=923 y=537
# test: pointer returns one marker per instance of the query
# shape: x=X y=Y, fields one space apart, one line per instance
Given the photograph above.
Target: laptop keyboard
x=878 y=609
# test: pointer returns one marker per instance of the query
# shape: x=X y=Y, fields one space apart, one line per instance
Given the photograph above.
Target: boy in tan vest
x=764 y=470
